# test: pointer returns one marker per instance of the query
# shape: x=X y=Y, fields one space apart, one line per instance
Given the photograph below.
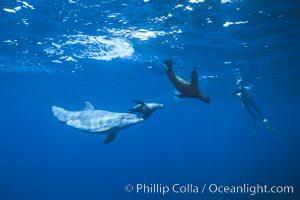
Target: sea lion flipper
x=147 y=115
x=169 y=64
x=110 y=138
x=179 y=95
x=138 y=102
x=194 y=78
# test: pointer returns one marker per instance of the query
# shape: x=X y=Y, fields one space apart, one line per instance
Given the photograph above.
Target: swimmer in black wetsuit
x=249 y=105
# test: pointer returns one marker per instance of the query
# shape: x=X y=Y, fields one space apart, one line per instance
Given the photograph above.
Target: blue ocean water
x=109 y=52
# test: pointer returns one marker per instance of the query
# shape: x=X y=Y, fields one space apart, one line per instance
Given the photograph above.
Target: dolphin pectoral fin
x=88 y=106
x=194 y=78
x=138 y=102
x=110 y=138
x=179 y=95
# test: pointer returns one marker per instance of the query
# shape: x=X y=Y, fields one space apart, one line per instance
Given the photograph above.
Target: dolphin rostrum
x=96 y=121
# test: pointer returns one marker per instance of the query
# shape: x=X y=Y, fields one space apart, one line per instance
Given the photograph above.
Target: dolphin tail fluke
x=60 y=113
x=110 y=138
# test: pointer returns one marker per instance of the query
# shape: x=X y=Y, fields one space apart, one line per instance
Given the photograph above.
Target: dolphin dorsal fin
x=88 y=106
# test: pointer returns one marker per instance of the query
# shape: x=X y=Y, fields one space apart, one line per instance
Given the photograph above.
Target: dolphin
x=96 y=121
x=145 y=108
x=186 y=89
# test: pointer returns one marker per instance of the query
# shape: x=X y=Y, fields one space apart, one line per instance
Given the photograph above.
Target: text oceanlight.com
x=177 y=188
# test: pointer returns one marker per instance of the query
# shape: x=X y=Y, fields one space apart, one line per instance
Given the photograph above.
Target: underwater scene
x=149 y=99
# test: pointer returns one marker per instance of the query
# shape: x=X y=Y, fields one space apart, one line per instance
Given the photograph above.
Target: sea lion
x=145 y=108
x=186 y=89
